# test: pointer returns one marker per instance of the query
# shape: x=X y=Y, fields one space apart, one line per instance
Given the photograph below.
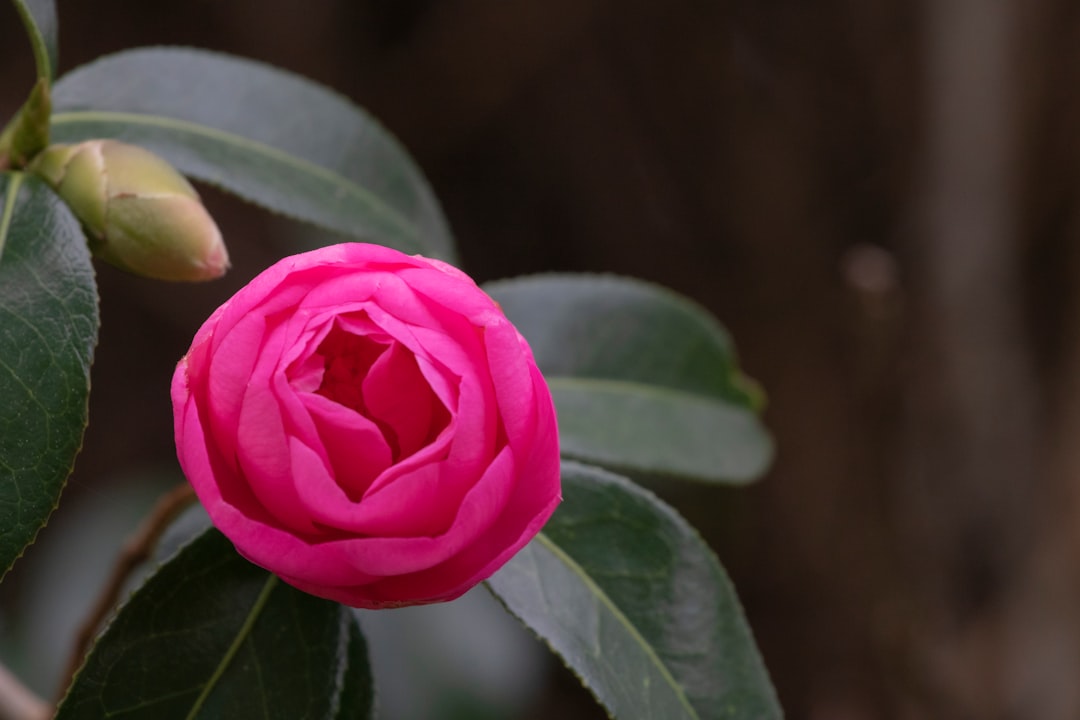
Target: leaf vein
x=238 y=641
x=620 y=617
x=9 y=209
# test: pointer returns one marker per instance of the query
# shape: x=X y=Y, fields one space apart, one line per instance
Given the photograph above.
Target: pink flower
x=369 y=426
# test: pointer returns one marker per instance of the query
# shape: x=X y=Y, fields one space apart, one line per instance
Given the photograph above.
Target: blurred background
x=881 y=201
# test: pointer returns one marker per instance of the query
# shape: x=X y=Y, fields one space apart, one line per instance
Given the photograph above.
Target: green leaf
x=617 y=328
x=643 y=378
x=269 y=136
x=635 y=603
x=48 y=329
x=39 y=19
x=657 y=430
x=212 y=636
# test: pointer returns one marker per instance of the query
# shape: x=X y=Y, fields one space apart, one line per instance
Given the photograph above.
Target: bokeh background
x=881 y=201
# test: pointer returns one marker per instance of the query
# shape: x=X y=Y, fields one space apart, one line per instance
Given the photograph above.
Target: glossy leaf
x=643 y=378
x=39 y=18
x=212 y=636
x=48 y=329
x=636 y=604
x=269 y=136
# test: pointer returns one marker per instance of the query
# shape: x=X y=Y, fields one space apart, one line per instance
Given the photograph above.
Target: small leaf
x=644 y=379
x=269 y=136
x=39 y=18
x=635 y=603
x=48 y=329
x=212 y=636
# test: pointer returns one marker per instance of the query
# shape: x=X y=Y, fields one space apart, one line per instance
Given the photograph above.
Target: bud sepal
x=28 y=132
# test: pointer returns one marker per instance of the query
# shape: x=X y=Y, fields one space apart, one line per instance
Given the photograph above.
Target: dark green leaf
x=657 y=430
x=267 y=135
x=635 y=603
x=212 y=636
x=616 y=328
x=48 y=329
x=39 y=18
x=643 y=378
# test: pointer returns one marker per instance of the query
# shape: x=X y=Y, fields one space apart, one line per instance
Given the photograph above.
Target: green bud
x=142 y=215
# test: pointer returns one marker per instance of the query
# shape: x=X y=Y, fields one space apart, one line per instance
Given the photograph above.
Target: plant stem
x=37 y=42
x=136 y=550
x=17 y=702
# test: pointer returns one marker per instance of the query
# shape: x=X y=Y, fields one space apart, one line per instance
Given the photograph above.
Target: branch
x=136 y=550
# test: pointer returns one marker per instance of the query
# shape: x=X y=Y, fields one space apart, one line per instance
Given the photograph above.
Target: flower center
x=348 y=360
x=377 y=377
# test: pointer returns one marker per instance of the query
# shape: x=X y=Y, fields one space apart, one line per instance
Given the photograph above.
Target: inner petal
x=347 y=360
x=378 y=378
x=398 y=396
x=353 y=446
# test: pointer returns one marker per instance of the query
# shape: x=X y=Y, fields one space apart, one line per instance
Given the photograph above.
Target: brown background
x=880 y=201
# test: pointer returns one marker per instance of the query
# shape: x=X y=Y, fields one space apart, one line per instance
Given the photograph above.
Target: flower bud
x=142 y=215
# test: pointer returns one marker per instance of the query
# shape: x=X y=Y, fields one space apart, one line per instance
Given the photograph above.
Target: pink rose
x=369 y=426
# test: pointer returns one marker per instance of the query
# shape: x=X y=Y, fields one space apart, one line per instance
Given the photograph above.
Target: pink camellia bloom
x=369 y=426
